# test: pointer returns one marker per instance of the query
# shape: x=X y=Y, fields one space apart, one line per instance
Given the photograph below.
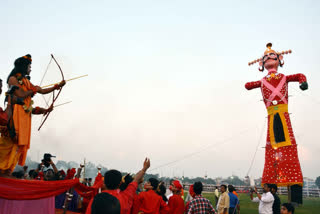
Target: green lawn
x=310 y=205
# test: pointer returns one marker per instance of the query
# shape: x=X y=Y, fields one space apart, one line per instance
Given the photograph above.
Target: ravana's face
x=271 y=61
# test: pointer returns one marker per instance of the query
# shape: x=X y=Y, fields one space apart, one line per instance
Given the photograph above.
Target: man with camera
x=265 y=200
x=48 y=168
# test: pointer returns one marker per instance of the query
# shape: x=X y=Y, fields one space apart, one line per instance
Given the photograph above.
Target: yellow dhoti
x=9 y=154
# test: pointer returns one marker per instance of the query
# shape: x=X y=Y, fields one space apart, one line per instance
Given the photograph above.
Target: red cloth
x=150 y=203
x=15 y=189
x=98 y=179
x=176 y=204
x=125 y=198
x=88 y=192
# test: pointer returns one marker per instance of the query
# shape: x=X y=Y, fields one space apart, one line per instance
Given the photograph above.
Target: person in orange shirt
x=21 y=123
x=182 y=193
x=149 y=202
x=176 y=203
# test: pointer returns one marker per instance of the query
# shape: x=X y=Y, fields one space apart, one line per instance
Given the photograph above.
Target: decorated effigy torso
x=274 y=89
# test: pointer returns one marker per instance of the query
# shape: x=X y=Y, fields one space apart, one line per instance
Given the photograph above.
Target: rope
x=45 y=71
x=197 y=152
x=306 y=95
x=257 y=147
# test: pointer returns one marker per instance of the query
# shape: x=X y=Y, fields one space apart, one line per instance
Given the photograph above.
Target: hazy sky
x=166 y=79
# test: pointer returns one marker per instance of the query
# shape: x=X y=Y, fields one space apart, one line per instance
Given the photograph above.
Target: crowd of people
x=132 y=195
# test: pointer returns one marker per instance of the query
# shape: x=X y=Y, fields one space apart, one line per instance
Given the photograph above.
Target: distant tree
x=234 y=180
x=31 y=164
x=73 y=164
x=318 y=181
x=60 y=164
x=147 y=176
x=210 y=181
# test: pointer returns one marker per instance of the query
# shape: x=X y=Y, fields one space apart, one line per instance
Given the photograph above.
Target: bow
x=54 y=98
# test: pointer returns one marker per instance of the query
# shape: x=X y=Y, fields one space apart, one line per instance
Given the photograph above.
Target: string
x=257 y=147
x=43 y=79
x=306 y=95
x=200 y=151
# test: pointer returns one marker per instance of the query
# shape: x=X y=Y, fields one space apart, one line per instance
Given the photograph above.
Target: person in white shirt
x=265 y=200
x=216 y=195
x=171 y=193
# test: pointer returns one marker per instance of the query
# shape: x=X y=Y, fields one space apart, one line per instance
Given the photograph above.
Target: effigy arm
x=253 y=85
x=301 y=78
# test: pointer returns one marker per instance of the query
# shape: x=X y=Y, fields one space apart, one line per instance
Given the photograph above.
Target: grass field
x=310 y=205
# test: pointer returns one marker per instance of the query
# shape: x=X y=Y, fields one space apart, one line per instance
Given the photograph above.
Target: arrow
x=46 y=86
x=62 y=104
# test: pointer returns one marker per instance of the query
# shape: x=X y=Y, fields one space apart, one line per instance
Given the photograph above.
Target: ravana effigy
x=282 y=166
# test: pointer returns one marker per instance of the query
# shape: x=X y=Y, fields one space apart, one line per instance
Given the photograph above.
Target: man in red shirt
x=176 y=203
x=149 y=202
x=112 y=180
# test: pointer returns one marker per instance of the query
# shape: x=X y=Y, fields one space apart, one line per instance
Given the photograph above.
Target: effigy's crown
x=267 y=51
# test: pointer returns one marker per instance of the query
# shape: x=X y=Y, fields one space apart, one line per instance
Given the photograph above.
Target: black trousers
x=232 y=210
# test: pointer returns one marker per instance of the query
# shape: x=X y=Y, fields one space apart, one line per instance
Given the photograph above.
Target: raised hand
x=304 y=86
x=146 y=164
x=50 y=109
x=139 y=176
x=62 y=83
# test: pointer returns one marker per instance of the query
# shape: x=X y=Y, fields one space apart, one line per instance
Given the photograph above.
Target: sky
x=165 y=80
